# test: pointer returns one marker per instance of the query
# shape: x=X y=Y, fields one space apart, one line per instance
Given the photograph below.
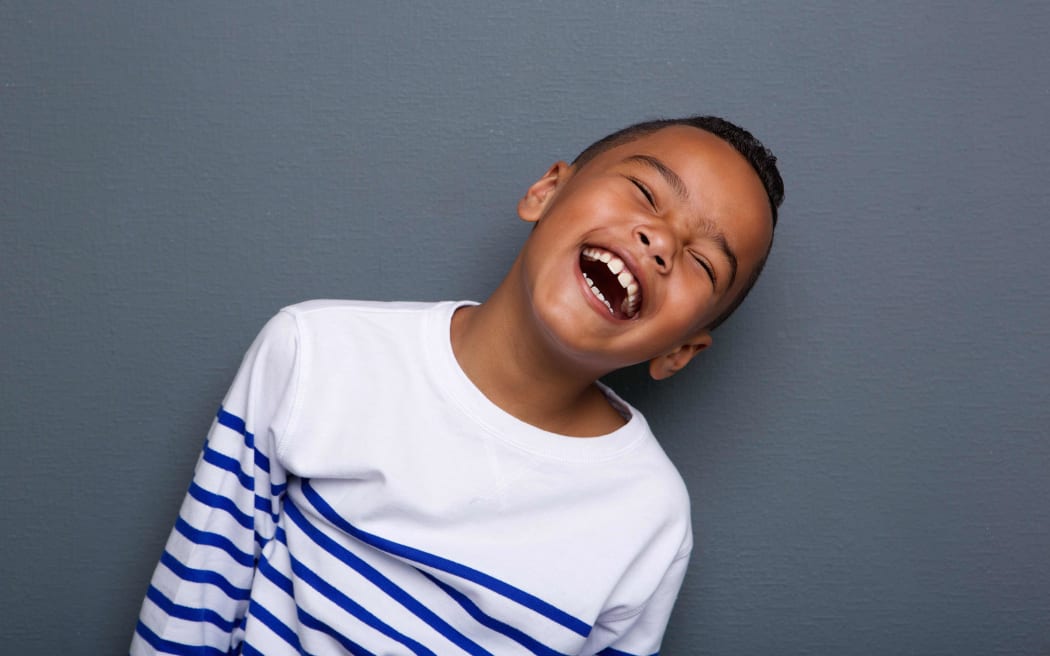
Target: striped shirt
x=358 y=495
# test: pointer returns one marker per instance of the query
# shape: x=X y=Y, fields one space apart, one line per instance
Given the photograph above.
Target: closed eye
x=645 y=191
x=708 y=268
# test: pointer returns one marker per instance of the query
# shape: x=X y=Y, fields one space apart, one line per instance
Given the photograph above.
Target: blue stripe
x=187 y=612
x=312 y=622
x=204 y=576
x=172 y=647
x=226 y=463
x=220 y=502
x=276 y=577
x=261 y=461
x=353 y=608
x=247 y=481
x=306 y=619
x=265 y=505
x=383 y=583
x=233 y=422
x=437 y=562
x=197 y=536
x=277 y=626
x=515 y=634
x=248 y=650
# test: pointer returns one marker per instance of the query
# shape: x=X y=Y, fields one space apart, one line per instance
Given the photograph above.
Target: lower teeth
x=598 y=294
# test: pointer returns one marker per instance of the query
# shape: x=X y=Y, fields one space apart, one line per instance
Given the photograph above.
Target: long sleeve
x=199 y=594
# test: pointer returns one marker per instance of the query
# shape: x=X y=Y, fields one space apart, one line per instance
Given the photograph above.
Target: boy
x=404 y=478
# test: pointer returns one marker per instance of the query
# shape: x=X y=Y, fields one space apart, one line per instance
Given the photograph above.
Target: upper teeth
x=623 y=275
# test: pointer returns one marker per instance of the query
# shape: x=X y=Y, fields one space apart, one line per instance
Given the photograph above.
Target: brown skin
x=538 y=344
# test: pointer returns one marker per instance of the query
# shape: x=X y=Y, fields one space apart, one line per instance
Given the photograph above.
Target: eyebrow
x=668 y=174
x=675 y=182
x=723 y=245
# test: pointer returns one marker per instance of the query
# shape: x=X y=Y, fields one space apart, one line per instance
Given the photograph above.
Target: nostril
x=645 y=240
x=659 y=260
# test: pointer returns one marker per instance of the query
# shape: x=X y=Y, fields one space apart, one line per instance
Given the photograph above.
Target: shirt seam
x=284 y=436
x=641 y=609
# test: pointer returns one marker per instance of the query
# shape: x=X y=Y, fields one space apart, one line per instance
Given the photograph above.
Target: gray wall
x=866 y=445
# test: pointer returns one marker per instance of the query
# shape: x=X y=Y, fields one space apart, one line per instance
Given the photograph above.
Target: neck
x=499 y=347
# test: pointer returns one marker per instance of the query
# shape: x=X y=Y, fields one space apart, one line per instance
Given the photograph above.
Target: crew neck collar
x=472 y=402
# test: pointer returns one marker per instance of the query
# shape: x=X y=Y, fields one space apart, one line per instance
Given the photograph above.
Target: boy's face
x=668 y=227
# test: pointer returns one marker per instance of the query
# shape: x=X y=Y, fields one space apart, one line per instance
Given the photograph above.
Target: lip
x=630 y=264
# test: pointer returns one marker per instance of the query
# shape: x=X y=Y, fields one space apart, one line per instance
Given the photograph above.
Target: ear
x=539 y=195
x=668 y=364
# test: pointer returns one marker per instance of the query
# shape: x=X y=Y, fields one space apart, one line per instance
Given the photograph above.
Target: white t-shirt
x=358 y=494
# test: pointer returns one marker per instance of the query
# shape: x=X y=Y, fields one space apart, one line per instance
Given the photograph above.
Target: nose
x=658 y=244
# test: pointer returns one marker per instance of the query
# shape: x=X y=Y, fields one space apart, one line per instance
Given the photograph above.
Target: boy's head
x=664 y=226
x=757 y=155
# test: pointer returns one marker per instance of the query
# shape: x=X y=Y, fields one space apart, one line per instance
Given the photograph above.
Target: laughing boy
x=409 y=478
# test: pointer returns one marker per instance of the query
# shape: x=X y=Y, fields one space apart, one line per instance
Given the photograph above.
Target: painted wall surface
x=866 y=444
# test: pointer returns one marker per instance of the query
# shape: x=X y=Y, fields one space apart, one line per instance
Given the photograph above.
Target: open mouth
x=611 y=282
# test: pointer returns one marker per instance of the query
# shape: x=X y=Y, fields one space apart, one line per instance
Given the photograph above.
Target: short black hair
x=761 y=159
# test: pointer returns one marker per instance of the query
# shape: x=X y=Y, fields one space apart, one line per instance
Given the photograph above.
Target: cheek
x=589 y=207
x=691 y=306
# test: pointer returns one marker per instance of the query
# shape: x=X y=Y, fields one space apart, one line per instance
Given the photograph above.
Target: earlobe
x=668 y=364
x=539 y=195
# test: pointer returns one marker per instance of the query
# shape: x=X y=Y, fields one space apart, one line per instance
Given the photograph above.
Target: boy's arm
x=197 y=600
x=640 y=633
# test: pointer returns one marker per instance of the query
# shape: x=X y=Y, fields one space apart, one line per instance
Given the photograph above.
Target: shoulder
x=668 y=494
x=331 y=322
x=344 y=337
x=355 y=359
x=648 y=459
x=334 y=310
x=657 y=490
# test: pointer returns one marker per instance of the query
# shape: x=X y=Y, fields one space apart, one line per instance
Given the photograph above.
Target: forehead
x=698 y=157
x=722 y=192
